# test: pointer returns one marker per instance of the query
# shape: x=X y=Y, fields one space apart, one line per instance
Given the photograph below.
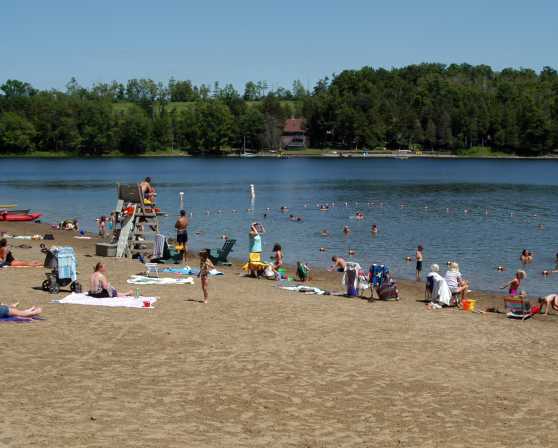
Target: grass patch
x=481 y=151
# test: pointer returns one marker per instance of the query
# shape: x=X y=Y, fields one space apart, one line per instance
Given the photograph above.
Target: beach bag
x=48 y=236
x=268 y=273
x=387 y=291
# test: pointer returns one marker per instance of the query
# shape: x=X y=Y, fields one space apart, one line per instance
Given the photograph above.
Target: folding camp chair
x=518 y=308
x=219 y=256
x=152 y=268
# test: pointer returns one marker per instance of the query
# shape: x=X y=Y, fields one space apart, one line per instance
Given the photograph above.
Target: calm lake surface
x=481 y=213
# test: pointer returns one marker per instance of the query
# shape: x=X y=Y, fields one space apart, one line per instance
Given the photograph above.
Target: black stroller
x=53 y=280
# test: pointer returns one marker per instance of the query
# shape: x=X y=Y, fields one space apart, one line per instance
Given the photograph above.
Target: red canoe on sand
x=19 y=217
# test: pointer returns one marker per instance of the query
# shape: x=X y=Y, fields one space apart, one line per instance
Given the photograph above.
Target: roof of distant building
x=295 y=125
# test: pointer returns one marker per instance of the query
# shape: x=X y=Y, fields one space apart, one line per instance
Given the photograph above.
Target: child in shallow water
x=205 y=266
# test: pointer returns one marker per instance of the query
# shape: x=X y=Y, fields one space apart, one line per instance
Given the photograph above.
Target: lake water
x=481 y=213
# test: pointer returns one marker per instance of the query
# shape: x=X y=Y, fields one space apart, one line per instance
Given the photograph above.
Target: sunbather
x=12 y=311
x=99 y=286
x=7 y=259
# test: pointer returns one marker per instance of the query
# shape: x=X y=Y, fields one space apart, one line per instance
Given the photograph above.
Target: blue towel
x=67 y=263
x=183 y=271
x=20 y=320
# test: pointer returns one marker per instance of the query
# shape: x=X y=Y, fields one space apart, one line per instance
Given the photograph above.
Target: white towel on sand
x=127 y=302
x=143 y=280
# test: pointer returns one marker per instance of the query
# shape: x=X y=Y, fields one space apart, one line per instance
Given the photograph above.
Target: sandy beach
x=260 y=366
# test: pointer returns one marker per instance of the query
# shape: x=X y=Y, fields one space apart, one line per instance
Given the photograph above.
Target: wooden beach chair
x=219 y=256
x=517 y=308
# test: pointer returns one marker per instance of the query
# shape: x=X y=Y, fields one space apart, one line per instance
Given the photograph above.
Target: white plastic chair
x=152 y=268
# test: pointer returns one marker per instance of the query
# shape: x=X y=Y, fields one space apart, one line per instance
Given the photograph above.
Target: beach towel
x=21 y=320
x=304 y=289
x=160 y=241
x=187 y=270
x=126 y=302
x=440 y=289
x=67 y=262
x=143 y=280
x=82 y=237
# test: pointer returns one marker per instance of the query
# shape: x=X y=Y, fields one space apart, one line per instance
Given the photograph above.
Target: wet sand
x=259 y=366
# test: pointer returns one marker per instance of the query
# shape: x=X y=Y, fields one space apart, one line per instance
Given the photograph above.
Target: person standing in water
x=419 y=257
x=181 y=227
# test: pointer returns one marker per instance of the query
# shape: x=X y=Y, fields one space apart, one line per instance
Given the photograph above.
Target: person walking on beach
x=181 y=227
x=513 y=286
x=205 y=266
x=419 y=256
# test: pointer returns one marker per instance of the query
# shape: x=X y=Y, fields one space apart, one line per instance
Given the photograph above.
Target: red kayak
x=19 y=217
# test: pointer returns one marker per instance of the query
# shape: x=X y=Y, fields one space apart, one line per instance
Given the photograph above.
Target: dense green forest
x=428 y=106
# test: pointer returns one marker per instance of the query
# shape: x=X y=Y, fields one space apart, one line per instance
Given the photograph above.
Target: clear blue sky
x=46 y=42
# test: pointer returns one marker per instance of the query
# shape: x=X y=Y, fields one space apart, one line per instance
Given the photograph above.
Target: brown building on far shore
x=294 y=134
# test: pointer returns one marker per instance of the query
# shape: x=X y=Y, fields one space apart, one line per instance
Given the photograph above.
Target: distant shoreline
x=269 y=155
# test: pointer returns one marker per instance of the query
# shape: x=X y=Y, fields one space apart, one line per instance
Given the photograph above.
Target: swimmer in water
x=346 y=229
x=526 y=257
x=359 y=215
x=324 y=232
x=374 y=229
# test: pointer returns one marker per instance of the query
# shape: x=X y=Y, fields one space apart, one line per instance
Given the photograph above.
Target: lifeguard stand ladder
x=136 y=229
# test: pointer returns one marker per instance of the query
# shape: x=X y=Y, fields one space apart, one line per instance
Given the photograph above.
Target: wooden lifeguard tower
x=137 y=223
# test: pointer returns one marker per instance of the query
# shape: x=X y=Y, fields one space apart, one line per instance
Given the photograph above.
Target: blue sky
x=48 y=41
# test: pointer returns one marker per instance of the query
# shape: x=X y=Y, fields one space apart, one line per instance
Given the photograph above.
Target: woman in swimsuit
x=99 y=286
x=513 y=286
x=7 y=259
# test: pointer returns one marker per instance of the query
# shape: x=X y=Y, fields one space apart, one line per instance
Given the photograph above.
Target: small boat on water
x=18 y=215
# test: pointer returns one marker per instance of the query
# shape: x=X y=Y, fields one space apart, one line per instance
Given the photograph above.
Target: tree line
x=425 y=106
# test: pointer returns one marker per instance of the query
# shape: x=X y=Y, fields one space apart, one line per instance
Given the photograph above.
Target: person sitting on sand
x=455 y=281
x=526 y=257
x=99 y=286
x=339 y=264
x=12 y=311
x=277 y=257
x=7 y=259
x=513 y=286
x=551 y=301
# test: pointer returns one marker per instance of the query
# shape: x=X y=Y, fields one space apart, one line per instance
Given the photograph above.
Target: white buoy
x=181 y=195
x=252 y=191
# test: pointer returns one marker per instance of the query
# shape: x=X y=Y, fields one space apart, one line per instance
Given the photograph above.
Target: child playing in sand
x=205 y=266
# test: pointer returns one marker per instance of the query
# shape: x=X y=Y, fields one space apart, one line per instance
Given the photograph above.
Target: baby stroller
x=63 y=265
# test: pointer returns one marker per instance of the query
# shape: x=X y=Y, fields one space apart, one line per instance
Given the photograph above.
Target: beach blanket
x=82 y=237
x=21 y=320
x=143 y=280
x=126 y=302
x=187 y=270
x=305 y=289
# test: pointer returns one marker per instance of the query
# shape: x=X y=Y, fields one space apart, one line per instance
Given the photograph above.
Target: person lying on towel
x=12 y=311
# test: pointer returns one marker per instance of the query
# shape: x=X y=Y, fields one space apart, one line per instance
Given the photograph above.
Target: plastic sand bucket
x=469 y=304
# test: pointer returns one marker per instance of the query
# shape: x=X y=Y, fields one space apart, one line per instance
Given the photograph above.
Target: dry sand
x=259 y=366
